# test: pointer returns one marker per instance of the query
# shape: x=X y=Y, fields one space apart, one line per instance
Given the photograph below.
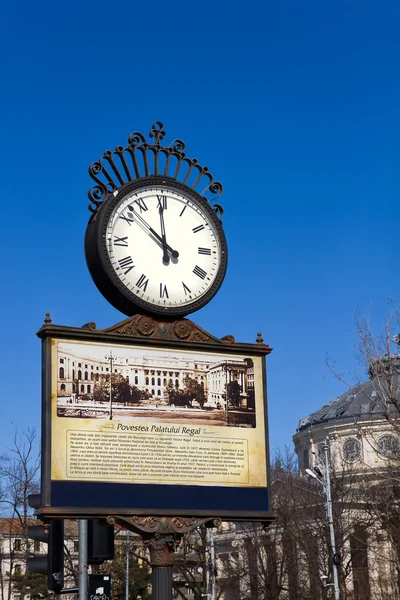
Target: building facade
x=77 y=375
x=362 y=429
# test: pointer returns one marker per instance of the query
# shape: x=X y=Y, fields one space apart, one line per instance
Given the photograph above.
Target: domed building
x=362 y=427
x=363 y=424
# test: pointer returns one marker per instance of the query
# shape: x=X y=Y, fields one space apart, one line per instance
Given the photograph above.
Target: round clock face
x=160 y=247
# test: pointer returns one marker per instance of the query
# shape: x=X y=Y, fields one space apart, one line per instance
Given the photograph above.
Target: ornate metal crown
x=145 y=159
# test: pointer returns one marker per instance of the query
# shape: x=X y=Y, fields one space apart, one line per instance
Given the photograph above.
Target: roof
x=10 y=526
x=364 y=402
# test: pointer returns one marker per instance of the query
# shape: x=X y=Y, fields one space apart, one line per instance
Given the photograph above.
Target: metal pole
x=161 y=579
x=83 y=559
x=212 y=564
x=330 y=520
x=127 y=566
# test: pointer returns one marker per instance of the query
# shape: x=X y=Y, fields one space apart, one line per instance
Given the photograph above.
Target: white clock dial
x=163 y=246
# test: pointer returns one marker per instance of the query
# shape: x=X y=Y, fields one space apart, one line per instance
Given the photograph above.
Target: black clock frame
x=102 y=272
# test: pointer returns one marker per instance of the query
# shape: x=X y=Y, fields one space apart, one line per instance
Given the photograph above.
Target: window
x=152 y=392
x=62 y=373
x=62 y=387
x=76 y=546
x=61 y=361
x=351 y=450
x=17 y=570
x=17 y=545
x=306 y=458
x=79 y=364
x=388 y=446
x=85 y=366
x=159 y=393
x=79 y=374
x=136 y=380
x=89 y=388
x=147 y=381
x=82 y=388
x=153 y=381
x=36 y=546
x=321 y=452
x=86 y=375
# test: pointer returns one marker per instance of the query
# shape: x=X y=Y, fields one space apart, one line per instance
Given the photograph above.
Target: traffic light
x=52 y=563
x=100 y=541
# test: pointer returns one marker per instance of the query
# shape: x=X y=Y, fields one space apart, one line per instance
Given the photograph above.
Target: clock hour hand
x=174 y=253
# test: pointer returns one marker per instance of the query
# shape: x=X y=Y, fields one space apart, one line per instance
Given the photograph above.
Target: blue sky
x=293 y=106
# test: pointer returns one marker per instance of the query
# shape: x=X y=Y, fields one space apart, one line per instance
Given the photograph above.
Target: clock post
x=156 y=434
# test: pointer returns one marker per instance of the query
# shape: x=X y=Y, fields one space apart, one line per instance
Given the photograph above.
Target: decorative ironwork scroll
x=162 y=535
x=141 y=158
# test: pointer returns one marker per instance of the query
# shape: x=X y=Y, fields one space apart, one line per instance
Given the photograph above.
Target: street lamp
x=111 y=358
x=323 y=477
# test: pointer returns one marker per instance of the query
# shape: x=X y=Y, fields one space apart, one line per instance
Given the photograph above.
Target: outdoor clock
x=156 y=246
x=154 y=243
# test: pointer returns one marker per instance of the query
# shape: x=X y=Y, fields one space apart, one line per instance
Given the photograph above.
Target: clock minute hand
x=163 y=235
x=174 y=253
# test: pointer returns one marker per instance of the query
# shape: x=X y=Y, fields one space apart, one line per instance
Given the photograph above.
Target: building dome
x=369 y=400
x=359 y=423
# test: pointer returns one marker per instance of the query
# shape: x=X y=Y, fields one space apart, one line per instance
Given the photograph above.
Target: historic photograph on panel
x=100 y=382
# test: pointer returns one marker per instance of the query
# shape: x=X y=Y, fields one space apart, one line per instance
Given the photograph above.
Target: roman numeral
x=127 y=219
x=186 y=289
x=184 y=208
x=199 y=272
x=162 y=202
x=198 y=228
x=126 y=264
x=120 y=241
x=205 y=251
x=142 y=282
x=163 y=291
x=141 y=204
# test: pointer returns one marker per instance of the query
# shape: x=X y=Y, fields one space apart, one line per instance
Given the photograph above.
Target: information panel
x=140 y=415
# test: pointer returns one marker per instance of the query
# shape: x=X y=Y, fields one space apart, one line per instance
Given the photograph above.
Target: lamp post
x=127 y=565
x=323 y=477
x=110 y=357
x=211 y=566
